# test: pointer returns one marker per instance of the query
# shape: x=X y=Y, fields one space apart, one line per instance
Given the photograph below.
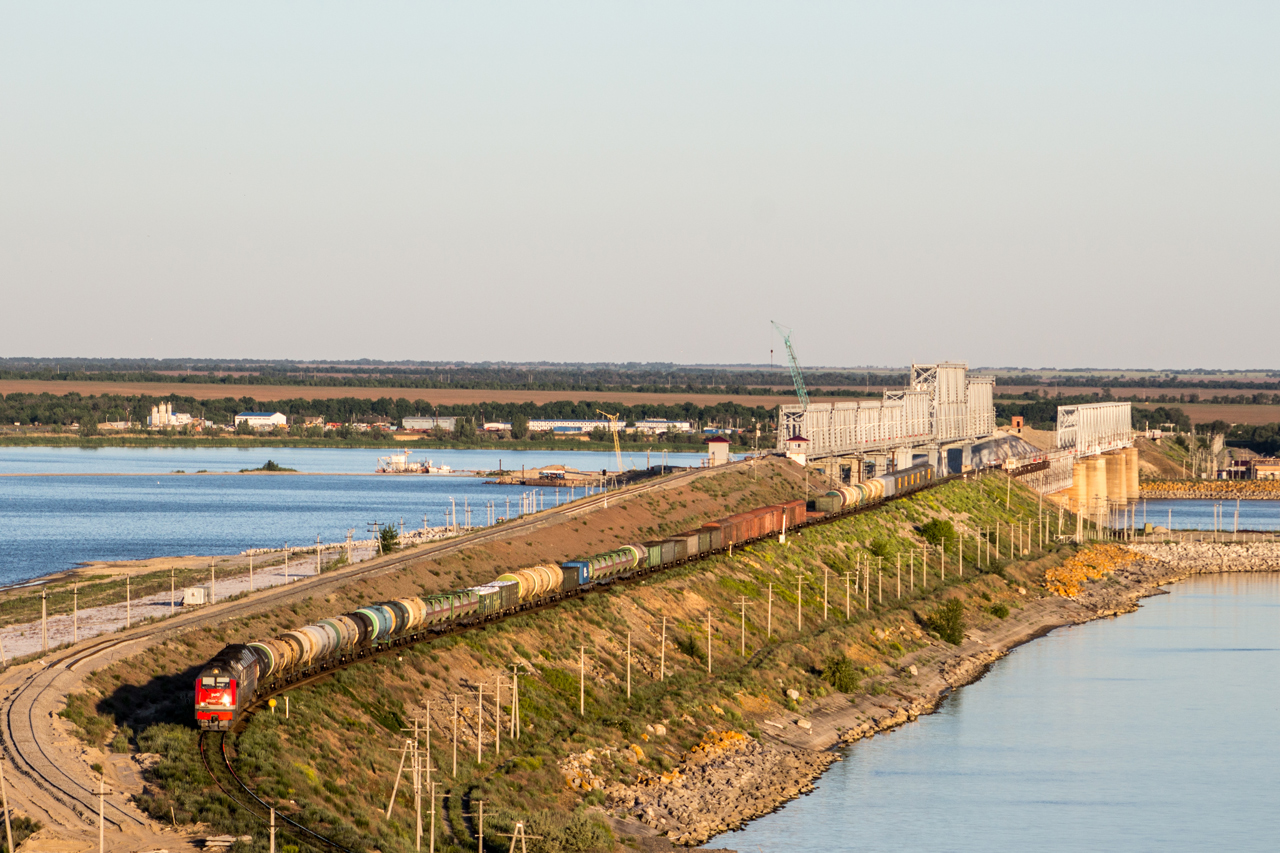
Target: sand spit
x=722 y=788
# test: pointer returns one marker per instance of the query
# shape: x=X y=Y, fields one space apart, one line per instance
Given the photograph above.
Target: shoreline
x=717 y=792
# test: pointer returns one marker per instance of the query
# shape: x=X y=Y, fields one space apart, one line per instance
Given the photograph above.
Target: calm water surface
x=1154 y=731
x=1198 y=515
x=50 y=524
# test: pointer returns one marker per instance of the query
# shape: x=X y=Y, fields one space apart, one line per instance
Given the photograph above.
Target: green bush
x=938 y=531
x=840 y=673
x=948 y=621
x=1000 y=611
x=22 y=827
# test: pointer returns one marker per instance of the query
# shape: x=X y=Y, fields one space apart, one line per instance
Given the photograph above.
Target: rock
x=717 y=709
x=793 y=694
x=912 y=669
x=649 y=728
x=660 y=730
x=804 y=724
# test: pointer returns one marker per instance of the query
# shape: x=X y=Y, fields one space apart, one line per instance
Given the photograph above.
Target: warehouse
x=261 y=420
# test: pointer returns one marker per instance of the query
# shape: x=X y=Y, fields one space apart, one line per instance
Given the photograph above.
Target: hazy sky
x=1014 y=183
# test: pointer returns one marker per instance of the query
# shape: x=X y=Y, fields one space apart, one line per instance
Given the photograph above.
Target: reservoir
x=1155 y=730
x=53 y=523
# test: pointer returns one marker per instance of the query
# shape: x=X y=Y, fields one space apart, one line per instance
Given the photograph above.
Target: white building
x=656 y=426
x=428 y=423
x=261 y=420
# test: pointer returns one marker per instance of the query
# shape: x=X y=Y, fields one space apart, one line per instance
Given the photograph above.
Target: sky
x=1009 y=184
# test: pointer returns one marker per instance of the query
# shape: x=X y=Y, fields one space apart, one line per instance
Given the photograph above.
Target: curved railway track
x=22 y=743
x=303 y=832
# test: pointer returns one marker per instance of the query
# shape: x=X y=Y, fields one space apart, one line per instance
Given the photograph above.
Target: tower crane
x=796 y=376
x=613 y=427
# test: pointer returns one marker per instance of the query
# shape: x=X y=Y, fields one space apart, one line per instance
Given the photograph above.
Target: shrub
x=1000 y=611
x=938 y=531
x=840 y=673
x=948 y=621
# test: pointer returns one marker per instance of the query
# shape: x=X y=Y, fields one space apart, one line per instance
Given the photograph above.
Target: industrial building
x=423 y=424
x=163 y=416
x=261 y=420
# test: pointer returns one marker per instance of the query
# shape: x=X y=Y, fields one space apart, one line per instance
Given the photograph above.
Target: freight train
x=229 y=684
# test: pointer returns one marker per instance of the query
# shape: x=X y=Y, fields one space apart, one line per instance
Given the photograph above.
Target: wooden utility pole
x=742 y=638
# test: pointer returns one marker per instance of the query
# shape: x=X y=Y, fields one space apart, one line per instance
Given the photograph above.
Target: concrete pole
x=769 y=617
x=880 y=580
x=826 y=573
x=582 y=681
x=455 y=736
x=128 y=601
x=742 y=638
x=286 y=561
x=628 y=664
x=173 y=597
x=102 y=823
x=899 y=576
x=846 y=596
x=75 y=614
x=662 y=658
x=250 y=571
x=4 y=800
x=318 y=550
x=912 y=557
x=44 y=620
x=866 y=586
x=799 y=601
x=480 y=831
x=479 y=723
x=942 y=561
x=497 y=718
x=273 y=831
x=708 y=642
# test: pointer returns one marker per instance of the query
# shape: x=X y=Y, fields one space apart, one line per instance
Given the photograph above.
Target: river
x=53 y=523
x=1152 y=731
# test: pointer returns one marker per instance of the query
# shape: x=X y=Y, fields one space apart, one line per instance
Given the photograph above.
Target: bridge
x=942 y=413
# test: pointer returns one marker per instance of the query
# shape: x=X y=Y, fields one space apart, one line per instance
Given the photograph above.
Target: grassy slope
x=336 y=754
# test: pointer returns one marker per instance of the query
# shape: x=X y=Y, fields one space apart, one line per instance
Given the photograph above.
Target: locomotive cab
x=215 y=699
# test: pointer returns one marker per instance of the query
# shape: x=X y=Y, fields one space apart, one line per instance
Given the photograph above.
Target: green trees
x=938 y=531
x=840 y=673
x=519 y=426
x=389 y=538
x=948 y=621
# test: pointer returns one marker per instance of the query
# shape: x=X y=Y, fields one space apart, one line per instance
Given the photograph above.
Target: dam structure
x=942 y=413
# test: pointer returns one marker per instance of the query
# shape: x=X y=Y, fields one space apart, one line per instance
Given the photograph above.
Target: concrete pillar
x=966 y=456
x=1117 y=482
x=1131 y=469
x=1078 y=492
x=933 y=454
x=902 y=458
x=1097 y=484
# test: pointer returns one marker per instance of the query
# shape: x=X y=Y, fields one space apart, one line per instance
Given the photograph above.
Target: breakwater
x=1245 y=490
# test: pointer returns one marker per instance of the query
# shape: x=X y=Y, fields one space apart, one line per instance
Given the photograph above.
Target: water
x=1198 y=515
x=50 y=524
x=319 y=460
x=1153 y=731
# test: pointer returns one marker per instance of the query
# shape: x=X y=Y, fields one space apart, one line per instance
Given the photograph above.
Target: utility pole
x=44 y=620
x=846 y=596
x=799 y=601
x=102 y=823
x=173 y=597
x=662 y=658
x=75 y=613
x=769 y=618
x=826 y=574
x=128 y=600
x=899 y=576
x=708 y=642
x=497 y=718
x=4 y=800
x=628 y=664
x=582 y=681
x=318 y=547
x=250 y=571
x=742 y=640
x=880 y=580
x=286 y=562
x=455 y=736
x=273 y=831
x=213 y=583
x=479 y=723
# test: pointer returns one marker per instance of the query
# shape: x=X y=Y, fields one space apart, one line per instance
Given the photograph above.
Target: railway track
x=262 y=809
x=28 y=736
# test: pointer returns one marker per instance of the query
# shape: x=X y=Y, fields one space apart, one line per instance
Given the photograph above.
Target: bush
x=22 y=827
x=390 y=538
x=938 y=531
x=840 y=673
x=948 y=621
x=1000 y=611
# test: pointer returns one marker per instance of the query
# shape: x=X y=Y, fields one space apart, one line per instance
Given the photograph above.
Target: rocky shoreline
x=739 y=779
x=1211 y=490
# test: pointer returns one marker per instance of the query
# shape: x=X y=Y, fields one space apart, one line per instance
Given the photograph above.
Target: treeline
x=50 y=409
x=1154 y=380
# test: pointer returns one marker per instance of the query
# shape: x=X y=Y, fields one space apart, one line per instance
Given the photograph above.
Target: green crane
x=796 y=376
